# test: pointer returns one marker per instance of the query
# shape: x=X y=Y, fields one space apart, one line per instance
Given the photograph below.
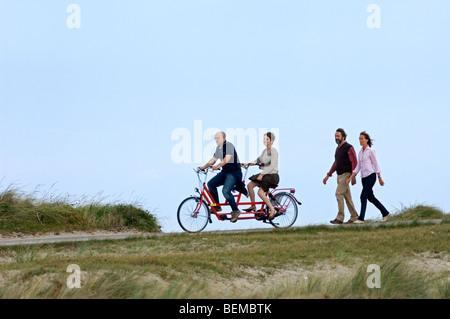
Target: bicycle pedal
x=260 y=217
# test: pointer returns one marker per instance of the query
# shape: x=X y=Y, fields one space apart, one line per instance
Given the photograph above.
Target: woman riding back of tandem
x=268 y=178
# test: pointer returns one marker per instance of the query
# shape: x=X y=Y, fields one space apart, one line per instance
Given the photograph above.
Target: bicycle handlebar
x=204 y=171
x=250 y=164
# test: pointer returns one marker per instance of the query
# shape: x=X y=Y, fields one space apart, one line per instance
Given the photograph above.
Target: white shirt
x=270 y=161
x=367 y=162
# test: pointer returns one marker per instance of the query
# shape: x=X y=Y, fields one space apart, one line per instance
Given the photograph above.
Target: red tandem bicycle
x=194 y=213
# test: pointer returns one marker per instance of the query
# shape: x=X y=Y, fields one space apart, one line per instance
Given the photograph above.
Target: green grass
x=418 y=212
x=308 y=262
x=27 y=213
x=315 y=262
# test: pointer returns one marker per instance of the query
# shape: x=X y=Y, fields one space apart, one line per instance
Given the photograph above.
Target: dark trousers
x=228 y=180
x=367 y=194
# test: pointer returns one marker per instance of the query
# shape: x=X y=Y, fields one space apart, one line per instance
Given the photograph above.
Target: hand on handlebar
x=200 y=169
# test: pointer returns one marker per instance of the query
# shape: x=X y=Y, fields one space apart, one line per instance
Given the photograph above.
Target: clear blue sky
x=92 y=109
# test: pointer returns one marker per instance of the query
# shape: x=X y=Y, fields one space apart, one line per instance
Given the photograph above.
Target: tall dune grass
x=45 y=212
x=398 y=281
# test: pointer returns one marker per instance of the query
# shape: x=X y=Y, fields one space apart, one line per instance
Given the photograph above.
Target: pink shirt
x=367 y=162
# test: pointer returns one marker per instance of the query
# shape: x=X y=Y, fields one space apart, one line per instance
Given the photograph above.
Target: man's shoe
x=349 y=221
x=234 y=216
x=385 y=218
x=358 y=222
x=336 y=221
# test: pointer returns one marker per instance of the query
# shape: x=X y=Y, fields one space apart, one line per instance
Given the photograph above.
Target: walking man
x=344 y=163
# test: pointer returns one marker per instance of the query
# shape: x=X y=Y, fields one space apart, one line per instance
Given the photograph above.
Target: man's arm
x=354 y=161
x=356 y=166
x=212 y=161
x=352 y=157
x=330 y=173
x=332 y=170
x=225 y=161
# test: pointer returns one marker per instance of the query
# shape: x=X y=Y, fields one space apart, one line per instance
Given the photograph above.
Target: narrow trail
x=105 y=235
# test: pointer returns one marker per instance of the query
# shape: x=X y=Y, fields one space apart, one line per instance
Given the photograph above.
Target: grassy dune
x=311 y=262
x=29 y=213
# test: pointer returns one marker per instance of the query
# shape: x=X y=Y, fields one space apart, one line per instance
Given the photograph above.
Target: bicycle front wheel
x=288 y=217
x=193 y=215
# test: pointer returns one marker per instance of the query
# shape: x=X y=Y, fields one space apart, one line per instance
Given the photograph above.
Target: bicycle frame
x=205 y=196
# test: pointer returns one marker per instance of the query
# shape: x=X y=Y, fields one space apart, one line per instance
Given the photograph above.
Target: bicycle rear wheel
x=288 y=217
x=193 y=215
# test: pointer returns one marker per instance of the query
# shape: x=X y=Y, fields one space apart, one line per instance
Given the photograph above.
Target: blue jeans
x=367 y=194
x=228 y=180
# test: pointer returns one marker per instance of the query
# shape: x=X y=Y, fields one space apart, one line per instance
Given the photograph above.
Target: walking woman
x=268 y=178
x=368 y=166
